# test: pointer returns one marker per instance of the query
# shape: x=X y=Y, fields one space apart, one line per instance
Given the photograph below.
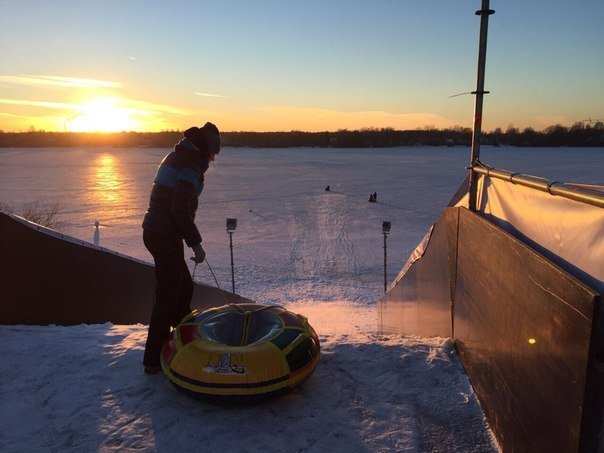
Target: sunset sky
x=279 y=65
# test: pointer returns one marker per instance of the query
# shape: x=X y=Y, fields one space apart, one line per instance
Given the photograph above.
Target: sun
x=101 y=115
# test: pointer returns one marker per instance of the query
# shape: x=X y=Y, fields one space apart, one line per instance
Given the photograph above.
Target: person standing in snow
x=169 y=220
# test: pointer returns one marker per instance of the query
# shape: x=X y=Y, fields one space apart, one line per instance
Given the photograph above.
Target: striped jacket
x=173 y=202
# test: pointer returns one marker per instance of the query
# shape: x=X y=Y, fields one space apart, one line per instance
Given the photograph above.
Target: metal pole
x=484 y=14
x=385 y=259
x=572 y=192
x=232 y=265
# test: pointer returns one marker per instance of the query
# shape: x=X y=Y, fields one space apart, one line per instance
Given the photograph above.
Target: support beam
x=484 y=14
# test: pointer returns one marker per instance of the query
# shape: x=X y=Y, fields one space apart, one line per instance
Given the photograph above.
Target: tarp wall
x=49 y=278
x=419 y=300
x=523 y=328
x=569 y=233
x=525 y=289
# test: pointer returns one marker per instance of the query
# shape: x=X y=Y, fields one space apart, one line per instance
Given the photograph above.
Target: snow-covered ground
x=320 y=253
x=82 y=388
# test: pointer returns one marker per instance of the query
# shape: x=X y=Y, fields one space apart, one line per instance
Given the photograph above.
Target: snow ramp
x=50 y=278
x=518 y=286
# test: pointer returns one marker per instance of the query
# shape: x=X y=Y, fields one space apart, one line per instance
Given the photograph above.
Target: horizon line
x=426 y=128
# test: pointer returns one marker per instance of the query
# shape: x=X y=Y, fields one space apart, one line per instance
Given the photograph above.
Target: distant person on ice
x=170 y=218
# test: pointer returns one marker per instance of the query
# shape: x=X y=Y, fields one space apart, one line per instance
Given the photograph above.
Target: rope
x=242 y=310
x=209 y=267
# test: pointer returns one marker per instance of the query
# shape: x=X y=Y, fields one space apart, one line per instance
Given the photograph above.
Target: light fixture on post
x=385 y=230
x=231 y=226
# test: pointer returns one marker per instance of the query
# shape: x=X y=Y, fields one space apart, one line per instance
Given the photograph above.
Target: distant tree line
x=578 y=135
x=33 y=138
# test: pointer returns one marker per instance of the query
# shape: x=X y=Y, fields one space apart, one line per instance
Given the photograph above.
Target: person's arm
x=184 y=204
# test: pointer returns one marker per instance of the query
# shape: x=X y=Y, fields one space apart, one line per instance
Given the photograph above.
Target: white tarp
x=568 y=229
x=417 y=254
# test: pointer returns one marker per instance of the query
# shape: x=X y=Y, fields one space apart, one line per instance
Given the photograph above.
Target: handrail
x=572 y=192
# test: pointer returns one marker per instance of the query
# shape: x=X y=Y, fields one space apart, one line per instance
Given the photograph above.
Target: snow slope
x=82 y=388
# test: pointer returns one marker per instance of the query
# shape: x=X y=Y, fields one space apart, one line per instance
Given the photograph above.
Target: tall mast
x=484 y=14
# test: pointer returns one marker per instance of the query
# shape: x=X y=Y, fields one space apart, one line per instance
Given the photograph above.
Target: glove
x=200 y=253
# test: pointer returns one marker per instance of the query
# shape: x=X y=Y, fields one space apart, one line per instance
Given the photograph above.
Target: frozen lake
x=294 y=240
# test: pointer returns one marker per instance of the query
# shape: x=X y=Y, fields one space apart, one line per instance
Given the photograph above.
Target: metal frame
x=572 y=192
x=476 y=168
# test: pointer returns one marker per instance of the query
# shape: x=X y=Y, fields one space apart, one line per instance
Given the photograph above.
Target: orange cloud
x=58 y=81
x=325 y=119
x=49 y=105
x=210 y=95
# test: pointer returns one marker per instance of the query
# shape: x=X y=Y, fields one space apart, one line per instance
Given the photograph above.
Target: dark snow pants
x=173 y=291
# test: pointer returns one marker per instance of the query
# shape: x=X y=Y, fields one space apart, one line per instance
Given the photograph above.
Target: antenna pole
x=484 y=14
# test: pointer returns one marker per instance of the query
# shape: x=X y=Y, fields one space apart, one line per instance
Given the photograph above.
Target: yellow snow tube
x=240 y=352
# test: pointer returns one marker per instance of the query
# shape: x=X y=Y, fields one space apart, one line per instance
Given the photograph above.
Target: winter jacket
x=173 y=202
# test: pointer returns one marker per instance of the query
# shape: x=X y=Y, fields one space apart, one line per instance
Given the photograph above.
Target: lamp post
x=231 y=225
x=385 y=230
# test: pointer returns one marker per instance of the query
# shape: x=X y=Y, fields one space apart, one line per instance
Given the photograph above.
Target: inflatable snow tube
x=240 y=353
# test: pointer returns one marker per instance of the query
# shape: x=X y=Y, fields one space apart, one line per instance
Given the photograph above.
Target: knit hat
x=205 y=139
x=212 y=136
